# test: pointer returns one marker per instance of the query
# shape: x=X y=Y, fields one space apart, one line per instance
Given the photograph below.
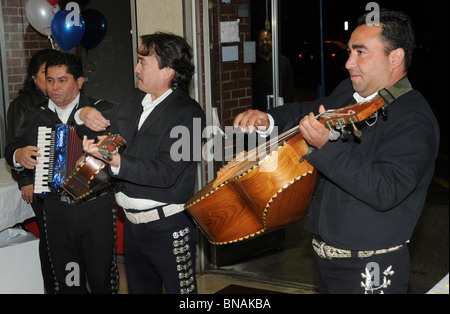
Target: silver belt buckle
x=143 y=217
x=318 y=248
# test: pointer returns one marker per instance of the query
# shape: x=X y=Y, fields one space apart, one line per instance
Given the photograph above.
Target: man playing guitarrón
x=373 y=188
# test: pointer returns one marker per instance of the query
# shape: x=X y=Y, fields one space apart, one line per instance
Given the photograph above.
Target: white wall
x=159 y=15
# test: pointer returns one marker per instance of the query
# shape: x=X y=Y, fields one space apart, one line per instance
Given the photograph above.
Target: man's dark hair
x=397 y=32
x=263 y=31
x=71 y=61
x=171 y=51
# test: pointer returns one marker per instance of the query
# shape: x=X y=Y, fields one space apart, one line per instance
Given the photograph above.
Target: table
x=13 y=209
x=441 y=287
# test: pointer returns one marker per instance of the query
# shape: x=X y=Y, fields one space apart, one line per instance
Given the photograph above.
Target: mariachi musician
x=152 y=186
x=80 y=237
x=373 y=188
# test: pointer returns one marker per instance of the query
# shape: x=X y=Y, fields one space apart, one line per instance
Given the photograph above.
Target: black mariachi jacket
x=29 y=100
x=373 y=189
x=148 y=168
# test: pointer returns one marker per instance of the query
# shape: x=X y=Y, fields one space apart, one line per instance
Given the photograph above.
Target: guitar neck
x=351 y=114
x=332 y=119
x=110 y=144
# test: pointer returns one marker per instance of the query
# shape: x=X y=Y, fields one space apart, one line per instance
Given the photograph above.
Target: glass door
x=257 y=62
x=247 y=72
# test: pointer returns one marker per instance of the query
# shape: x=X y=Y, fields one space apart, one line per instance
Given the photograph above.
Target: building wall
x=233 y=79
x=21 y=42
x=156 y=15
x=233 y=88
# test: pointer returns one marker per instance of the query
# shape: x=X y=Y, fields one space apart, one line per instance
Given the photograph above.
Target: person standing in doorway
x=262 y=79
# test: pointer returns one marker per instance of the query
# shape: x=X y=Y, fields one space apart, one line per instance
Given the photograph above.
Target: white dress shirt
x=359 y=99
x=64 y=114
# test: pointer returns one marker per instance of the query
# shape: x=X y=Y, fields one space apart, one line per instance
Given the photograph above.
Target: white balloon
x=40 y=15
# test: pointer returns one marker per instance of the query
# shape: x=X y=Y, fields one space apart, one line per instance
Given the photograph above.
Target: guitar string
x=290 y=133
x=254 y=153
x=277 y=141
x=281 y=139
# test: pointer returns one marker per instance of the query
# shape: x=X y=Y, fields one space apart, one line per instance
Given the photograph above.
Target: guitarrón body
x=249 y=198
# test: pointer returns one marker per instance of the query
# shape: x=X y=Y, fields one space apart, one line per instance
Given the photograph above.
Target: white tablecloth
x=13 y=209
x=441 y=287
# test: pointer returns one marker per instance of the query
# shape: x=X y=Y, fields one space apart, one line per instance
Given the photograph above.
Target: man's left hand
x=314 y=132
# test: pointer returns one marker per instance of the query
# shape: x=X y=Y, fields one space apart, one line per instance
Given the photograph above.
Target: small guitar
x=110 y=145
x=90 y=174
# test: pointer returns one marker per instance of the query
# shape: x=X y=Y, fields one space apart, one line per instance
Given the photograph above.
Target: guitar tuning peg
x=334 y=135
x=356 y=132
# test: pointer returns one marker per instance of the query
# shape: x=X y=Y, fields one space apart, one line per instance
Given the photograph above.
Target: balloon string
x=51 y=42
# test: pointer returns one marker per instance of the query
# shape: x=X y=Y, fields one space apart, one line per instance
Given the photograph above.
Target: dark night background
x=299 y=26
x=300 y=34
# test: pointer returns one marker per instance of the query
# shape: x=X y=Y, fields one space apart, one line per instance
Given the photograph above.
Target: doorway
x=283 y=256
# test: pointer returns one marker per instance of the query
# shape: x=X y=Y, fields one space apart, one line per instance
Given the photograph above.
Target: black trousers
x=384 y=273
x=81 y=242
x=161 y=253
x=46 y=268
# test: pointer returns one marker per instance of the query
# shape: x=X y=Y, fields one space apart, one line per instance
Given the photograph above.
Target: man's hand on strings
x=252 y=120
x=314 y=132
x=90 y=147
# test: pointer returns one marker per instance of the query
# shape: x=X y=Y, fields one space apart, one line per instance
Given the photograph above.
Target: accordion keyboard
x=46 y=139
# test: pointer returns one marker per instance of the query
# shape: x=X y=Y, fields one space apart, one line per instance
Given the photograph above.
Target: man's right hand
x=24 y=156
x=251 y=120
x=93 y=119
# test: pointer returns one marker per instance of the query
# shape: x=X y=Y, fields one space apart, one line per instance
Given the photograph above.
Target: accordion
x=64 y=167
x=60 y=148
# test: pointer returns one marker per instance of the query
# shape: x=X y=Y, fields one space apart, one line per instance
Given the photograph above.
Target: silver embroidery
x=371 y=276
x=183 y=258
x=177 y=243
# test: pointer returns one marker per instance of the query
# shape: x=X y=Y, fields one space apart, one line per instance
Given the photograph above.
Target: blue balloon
x=95 y=28
x=68 y=28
